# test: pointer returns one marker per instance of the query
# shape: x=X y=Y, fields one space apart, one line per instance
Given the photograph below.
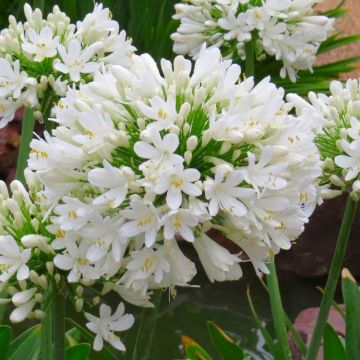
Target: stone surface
x=348 y=24
x=311 y=255
x=305 y=323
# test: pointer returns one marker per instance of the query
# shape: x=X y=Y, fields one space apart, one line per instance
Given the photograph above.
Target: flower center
x=162 y=113
x=148 y=264
x=83 y=261
x=177 y=183
x=145 y=220
x=72 y=214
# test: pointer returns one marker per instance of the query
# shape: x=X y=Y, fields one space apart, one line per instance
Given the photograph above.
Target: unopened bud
x=79 y=291
x=57 y=278
x=79 y=303
x=96 y=300
x=187 y=157
x=336 y=180
x=106 y=288
x=43 y=282
x=50 y=267
x=191 y=142
x=38 y=314
x=225 y=147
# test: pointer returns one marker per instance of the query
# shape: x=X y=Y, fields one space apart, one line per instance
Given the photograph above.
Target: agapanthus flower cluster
x=287 y=30
x=29 y=271
x=144 y=161
x=41 y=58
x=338 y=139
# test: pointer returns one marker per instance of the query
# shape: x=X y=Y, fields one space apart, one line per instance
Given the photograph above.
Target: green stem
x=146 y=330
x=59 y=327
x=47 y=335
x=250 y=58
x=332 y=279
x=28 y=124
x=278 y=312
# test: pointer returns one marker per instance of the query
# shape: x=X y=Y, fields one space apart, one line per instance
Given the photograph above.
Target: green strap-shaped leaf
x=351 y=296
x=27 y=345
x=78 y=352
x=225 y=346
x=5 y=337
x=333 y=348
x=193 y=350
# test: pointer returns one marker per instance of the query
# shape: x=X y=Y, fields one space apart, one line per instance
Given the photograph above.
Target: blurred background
x=149 y=24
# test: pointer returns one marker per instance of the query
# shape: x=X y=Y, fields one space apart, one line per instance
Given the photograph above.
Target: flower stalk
x=147 y=328
x=59 y=326
x=278 y=312
x=250 y=58
x=333 y=277
x=28 y=124
x=47 y=334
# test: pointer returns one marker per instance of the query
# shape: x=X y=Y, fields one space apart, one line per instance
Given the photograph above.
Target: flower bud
x=187 y=157
x=23 y=297
x=39 y=314
x=50 y=268
x=79 y=303
x=79 y=291
x=96 y=300
x=225 y=147
x=336 y=180
x=330 y=193
x=43 y=282
x=106 y=288
x=192 y=142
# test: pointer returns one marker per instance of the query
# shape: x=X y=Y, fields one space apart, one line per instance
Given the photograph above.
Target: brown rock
x=311 y=255
x=305 y=323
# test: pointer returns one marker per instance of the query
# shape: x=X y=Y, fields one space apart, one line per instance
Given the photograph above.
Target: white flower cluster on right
x=285 y=29
x=338 y=138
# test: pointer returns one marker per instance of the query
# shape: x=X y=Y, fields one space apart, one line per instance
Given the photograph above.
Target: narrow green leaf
x=105 y=353
x=28 y=346
x=337 y=42
x=78 y=352
x=147 y=329
x=5 y=337
x=267 y=337
x=225 y=346
x=193 y=350
x=333 y=348
x=351 y=296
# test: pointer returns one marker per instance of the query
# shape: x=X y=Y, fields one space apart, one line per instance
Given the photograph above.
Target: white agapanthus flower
x=287 y=30
x=42 y=57
x=161 y=156
x=105 y=326
x=337 y=124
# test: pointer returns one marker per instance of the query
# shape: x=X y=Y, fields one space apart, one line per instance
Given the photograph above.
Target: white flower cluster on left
x=143 y=161
x=40 y=58
x=287 y=30
x=27 y=271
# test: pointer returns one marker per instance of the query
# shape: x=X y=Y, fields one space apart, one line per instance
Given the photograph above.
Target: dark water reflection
x=224 y=303
x=227 y=305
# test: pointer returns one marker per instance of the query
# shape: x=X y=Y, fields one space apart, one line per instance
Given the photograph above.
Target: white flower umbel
x=289 y=31
x=43 y=57
x=161 y=156
x=337 y=120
